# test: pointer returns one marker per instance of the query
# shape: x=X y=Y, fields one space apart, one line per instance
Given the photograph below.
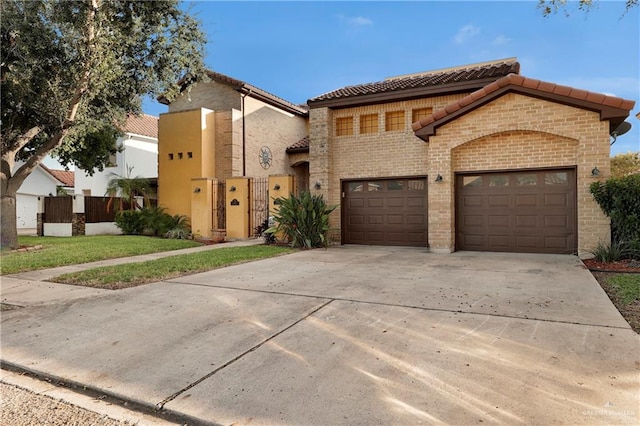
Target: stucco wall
x=139 y=152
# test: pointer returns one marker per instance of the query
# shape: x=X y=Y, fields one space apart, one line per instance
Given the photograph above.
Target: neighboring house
x=139 y=152
x=475 y=157
x=42 y=182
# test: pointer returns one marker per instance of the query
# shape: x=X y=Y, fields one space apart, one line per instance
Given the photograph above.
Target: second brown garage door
x=529 y=211
x=390 y=212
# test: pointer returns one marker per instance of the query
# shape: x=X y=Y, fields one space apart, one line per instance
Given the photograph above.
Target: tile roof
x=301 y=146
x=485 y=71
x=145 y=125
x=66 y=177
x=610 y=107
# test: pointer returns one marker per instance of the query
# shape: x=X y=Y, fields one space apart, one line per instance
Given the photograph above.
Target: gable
x=610 y=108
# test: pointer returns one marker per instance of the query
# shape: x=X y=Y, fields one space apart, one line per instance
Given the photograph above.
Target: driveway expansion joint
x=398 y=305
x=161 y=404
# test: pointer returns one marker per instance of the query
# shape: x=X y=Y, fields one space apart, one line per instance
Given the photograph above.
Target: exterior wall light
x=595 y=172
x=196 y=189
x=438 y=178
x=232 y=189
x=318 y=185
x=277 y=187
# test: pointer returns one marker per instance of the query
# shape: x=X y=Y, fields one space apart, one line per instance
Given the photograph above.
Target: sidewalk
x=32 y=287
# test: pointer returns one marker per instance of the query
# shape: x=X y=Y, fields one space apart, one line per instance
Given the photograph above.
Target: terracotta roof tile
x=145 y=125
x=301 y=146
x=541 y=87
x=66 y=177
x=495 y=69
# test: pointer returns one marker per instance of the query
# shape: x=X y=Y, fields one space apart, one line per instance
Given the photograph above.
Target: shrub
x=156 y=221
x=619 y=198
x=180 y=228
x=130 y=222
x=304 y=220
x=608 y=252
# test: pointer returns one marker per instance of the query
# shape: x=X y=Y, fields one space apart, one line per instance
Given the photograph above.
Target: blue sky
x=298 y=50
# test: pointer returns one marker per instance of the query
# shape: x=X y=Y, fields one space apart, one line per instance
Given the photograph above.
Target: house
x=42 y=182
x=137 y=158
x=224 y=128
x=475 y=157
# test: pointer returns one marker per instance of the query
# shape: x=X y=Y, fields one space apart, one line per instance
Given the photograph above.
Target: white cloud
x=356 y=21
x=466 y=33
x=500 y=40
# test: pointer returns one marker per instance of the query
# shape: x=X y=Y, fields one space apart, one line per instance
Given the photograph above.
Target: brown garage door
x=390 y=212
x=529 y=211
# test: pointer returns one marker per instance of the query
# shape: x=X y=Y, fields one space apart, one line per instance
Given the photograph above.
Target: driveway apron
x=349 y=335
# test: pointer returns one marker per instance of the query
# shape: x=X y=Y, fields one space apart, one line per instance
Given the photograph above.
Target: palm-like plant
x=127 y=188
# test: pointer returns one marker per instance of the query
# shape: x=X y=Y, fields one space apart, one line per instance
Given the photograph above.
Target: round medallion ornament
x=265 y=157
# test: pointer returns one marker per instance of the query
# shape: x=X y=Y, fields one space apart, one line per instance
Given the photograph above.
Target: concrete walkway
x=349 y=335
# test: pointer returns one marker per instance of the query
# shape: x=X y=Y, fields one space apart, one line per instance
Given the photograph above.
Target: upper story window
x=369 y=123
x=394 y=120
x=419 y=113
x=344 y=126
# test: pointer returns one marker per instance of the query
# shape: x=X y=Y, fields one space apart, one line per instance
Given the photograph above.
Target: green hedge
x=619 y=199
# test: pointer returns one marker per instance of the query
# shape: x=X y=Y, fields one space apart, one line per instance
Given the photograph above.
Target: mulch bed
x=622 y=266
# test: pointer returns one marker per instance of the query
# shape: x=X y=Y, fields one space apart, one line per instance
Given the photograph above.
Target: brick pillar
x=321 y=176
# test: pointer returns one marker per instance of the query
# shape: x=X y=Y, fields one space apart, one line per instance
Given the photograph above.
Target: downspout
x=244 y=136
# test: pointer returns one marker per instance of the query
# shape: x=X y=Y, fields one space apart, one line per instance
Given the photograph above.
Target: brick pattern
x=516 y=131
x=381 y=154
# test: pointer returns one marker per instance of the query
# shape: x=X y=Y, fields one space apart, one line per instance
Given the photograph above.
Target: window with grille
x=369 y=123
x=394 y=120
x=344 y=126
x=419 y=113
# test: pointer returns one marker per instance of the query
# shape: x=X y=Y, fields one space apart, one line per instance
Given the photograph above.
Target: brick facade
x=515 y=132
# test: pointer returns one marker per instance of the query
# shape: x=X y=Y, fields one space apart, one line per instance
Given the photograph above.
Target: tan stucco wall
x=512 y=132
x=183 y=133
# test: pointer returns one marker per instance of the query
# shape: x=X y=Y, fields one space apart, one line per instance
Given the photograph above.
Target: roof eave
x=401 y=95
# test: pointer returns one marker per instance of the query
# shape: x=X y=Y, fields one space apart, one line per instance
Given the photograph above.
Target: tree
x=550 y=7
x=71 y=71
x=625 y=164
x=127 y=187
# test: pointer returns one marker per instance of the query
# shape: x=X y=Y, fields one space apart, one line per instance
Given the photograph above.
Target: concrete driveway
x=349 y=335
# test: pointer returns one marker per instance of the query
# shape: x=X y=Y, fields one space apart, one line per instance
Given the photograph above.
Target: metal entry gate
x=259 y=202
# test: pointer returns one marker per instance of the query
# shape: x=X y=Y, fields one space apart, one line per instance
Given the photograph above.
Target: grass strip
x=627 y=287
x=61 y=251
x=134 y=274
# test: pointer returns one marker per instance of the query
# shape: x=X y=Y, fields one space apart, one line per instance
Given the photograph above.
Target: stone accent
x=40 y=224
x=77 y=224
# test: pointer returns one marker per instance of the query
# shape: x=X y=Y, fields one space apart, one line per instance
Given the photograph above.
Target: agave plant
x=304 y=220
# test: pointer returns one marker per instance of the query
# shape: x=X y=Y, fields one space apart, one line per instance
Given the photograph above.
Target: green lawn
x=627 y=287
x=60 y=251
x=129 y=275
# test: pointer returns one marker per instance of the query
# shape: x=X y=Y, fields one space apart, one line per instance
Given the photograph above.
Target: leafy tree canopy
x=625 y=164
x=71 y=71
x=550 y=7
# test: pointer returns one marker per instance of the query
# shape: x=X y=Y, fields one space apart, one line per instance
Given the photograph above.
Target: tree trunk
x=9 y=221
